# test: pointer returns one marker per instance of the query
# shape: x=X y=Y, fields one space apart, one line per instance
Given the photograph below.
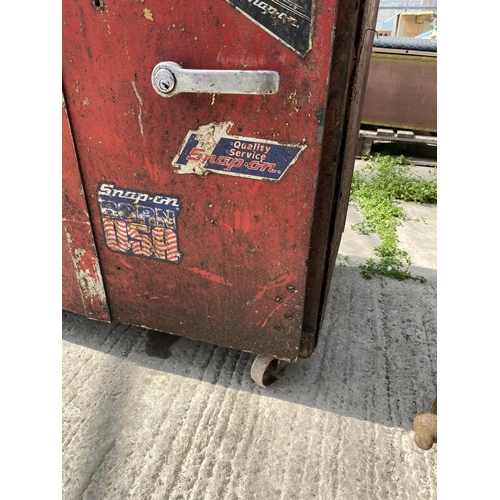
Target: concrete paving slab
x=149 y=416
x=186 y=421
x=417 y=235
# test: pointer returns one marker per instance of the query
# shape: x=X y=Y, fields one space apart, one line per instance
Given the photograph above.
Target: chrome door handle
x=169 y=79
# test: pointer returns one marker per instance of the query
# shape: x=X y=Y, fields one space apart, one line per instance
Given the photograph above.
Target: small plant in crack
x=376 y=191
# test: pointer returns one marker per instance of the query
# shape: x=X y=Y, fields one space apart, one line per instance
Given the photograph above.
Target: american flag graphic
x=165 y=243
x=137 y=223
x=142 y=247
x=115 y=232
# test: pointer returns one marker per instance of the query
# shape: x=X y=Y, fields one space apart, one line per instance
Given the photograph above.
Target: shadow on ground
x=375 y=360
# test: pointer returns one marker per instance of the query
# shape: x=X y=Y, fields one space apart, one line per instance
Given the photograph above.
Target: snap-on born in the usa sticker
x=139 y=223
x=211 y=149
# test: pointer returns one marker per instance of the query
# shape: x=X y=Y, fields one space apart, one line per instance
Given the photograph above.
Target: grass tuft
x=376 y=191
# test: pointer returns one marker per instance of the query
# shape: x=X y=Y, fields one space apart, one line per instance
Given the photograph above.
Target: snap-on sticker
x=290 y=21
x=139 y=223
x=211 y=149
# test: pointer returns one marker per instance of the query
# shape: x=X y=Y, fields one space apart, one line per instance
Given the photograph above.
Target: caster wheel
x=425 y=426
x=265 y=371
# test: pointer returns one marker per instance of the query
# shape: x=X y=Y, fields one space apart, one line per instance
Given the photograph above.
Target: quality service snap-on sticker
x=139 y=223
x=211 y=149
x=290 y=21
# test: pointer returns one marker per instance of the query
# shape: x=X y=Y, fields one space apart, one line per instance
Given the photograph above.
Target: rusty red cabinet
x=208 y=150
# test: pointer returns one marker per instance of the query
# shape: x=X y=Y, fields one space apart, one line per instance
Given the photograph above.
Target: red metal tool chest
x=214 y=216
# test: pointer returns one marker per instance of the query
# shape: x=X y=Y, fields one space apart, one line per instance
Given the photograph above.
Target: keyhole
x=165 y=81
x=165 y=85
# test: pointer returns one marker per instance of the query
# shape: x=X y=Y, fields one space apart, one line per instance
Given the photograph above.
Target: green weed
x=376 y=190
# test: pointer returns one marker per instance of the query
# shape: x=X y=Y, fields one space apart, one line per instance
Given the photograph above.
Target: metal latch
x=169 y=79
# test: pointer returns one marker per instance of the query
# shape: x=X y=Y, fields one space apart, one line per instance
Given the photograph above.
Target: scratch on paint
x=86 y=101
x=139 y=115
x=210 y=276
x=154 y=172
x=243 y=220
x=227 y=226
x=282 y=280
x=275 y=309
x=272 y=312
x=219 y=223
x=148 y=14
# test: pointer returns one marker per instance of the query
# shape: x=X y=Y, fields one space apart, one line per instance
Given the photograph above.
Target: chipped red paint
x=83 y=288
x=252 y=234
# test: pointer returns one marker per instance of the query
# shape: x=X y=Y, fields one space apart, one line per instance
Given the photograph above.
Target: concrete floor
x=177 y=419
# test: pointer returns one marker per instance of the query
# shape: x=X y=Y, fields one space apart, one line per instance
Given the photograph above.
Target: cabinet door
x=202 y=204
